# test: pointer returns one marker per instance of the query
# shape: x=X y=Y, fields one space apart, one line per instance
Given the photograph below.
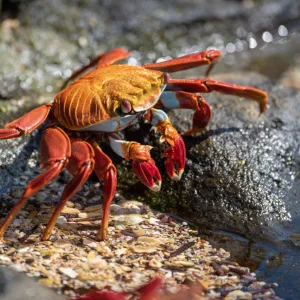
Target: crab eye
x=126 y=107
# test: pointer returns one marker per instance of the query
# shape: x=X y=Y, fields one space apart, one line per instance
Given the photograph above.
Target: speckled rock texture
x=241 y=173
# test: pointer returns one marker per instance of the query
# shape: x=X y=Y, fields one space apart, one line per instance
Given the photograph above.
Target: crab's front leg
x=142 y=163
x=184 y=100
x=175 y=154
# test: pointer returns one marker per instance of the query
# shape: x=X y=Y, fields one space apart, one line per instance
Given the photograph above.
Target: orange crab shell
x=94 y=97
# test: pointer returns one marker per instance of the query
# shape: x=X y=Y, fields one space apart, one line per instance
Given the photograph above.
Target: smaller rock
x=97 y=262
x=70 y=204
x=69 y=272
x=90 y=243
x=154 y=263
x=41 y=196
x=92 y=254
x=149 y=240
x=93 y=208
x=143 y=249
x=85 y=215
x=61 y=220
x=63 y=243
x=237 y=295
x=70 y=210
x=132 y=219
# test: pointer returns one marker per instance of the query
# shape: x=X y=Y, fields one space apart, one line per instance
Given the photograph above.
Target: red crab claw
x=148 y=173
x=151 y=289
x=147 y=292
x=175 y=159
x=102 y=295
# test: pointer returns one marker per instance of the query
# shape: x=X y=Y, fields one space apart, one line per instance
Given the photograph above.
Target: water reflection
x=277 y=261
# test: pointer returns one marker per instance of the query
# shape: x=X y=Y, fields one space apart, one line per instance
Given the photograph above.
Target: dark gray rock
x=242 y=174
x=17 y=286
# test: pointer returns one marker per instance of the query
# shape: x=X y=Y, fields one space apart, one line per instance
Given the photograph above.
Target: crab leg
x=55 y=150
x=142 y=165
x=208 y=85
x=80 y=165
x=26 y=123
x=174 y=100
x=103 y=59
x=207 y=57
x=106 y=171
x=176 y=153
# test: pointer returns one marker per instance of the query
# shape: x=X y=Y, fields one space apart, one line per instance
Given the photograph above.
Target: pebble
x=63 y=243
x=130 y=203
x=41 y=196
x=85 y=215
x=69 y=272
x=238 y=295
x=153 y=221
x=132 y=219
x=70 y=210
x=143 y=249
x=92 y=254
x=90 y=243
x=97 y=262
x=154 y=263
x=61 y=220
x=5 y=258
x=17 y=193
x=93 y=208
x=149 y=240
x=70 y=204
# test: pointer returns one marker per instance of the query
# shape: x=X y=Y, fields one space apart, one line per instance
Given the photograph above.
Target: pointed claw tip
x=177 y=177
x=180 y=173
x=156 y=187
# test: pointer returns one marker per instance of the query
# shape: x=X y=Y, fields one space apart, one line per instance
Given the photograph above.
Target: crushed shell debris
x=142 y=245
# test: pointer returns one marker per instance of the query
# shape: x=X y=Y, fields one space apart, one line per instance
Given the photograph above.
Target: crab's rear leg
x=175 y=154
x=184 y=100
x=103 y=59
x=81 y=165
x=207 y=57
x=208 y=85
x=142 y=163
x=26 y=123
x=55 y=151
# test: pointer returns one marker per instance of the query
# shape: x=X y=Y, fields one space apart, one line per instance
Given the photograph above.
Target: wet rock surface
x=10 y=279
x=241 y=173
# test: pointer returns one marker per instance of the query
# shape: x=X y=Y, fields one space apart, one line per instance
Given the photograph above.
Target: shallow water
x=272 y=261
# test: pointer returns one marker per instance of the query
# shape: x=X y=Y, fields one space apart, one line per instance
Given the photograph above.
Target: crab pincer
x=175 y=159
x=142 y=164
x=175 y=154
x=147 y=173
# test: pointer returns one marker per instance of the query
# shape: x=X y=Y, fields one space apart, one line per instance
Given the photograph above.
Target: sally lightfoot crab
x=103 y=102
